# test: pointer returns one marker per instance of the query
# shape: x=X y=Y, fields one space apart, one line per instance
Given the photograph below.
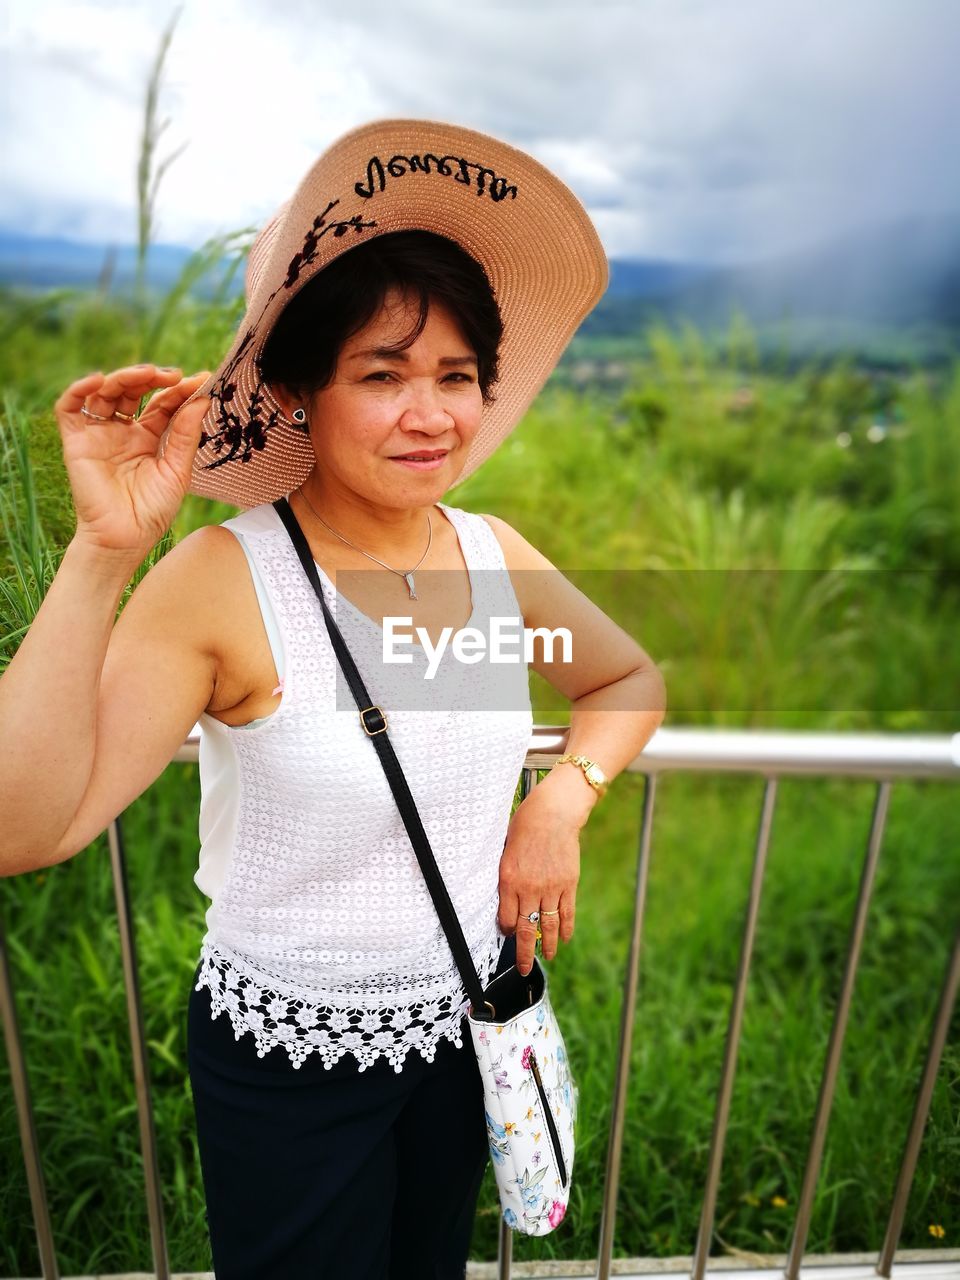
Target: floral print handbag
x=530 y=1098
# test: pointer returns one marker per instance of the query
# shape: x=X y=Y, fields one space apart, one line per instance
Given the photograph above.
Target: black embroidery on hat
x=487 y=182
x=243 y=439
x=240 y=439
x=315 y=232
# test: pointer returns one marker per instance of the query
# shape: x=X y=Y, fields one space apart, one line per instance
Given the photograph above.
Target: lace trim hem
x=302 y=1027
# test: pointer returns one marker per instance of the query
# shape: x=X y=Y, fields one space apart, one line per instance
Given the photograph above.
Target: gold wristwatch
x=591 y=771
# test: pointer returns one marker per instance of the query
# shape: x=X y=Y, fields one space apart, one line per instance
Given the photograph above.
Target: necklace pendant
x=408 y=578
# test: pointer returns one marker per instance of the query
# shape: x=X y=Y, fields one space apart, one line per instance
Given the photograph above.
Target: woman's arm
x=610 y=725
x=617 y=692
x=48 y=704
x=618 y=699
x=52 y=693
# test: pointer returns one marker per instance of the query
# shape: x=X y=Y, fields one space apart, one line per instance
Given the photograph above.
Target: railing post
x=938 y=1038
x=721 y=1113
x=611 y=1183
x=28 y=1131
x=138 y=1040
x=831 y=1066
x=504 y=1251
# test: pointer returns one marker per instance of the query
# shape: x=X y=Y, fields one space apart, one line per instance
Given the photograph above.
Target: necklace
x=406 y=574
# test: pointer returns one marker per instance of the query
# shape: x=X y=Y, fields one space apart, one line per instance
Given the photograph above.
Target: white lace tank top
x=321 y=936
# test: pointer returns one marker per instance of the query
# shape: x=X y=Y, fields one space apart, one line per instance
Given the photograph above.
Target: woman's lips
x=431 y=465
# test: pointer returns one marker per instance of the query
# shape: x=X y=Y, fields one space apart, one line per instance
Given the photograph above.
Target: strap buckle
x=379 y=721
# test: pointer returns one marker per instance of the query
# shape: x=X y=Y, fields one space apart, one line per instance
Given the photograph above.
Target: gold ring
x=127 y=417
x=550 y=913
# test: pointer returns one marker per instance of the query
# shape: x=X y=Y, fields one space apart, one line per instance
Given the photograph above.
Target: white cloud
x=715 y=128
x=253 y=107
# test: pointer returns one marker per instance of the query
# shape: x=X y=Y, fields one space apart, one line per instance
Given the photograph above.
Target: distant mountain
x=904 y=273
x=650 y=278
x=52 y=262
x=888 y=276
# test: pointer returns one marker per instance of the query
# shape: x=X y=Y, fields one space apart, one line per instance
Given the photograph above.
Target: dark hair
x=303 y=347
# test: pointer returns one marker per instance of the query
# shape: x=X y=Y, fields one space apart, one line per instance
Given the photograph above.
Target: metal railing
x=770 y=754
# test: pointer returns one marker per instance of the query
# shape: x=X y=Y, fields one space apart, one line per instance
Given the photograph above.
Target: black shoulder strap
x=375 y=726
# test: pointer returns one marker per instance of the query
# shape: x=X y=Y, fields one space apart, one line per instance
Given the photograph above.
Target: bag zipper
x=548 y=1117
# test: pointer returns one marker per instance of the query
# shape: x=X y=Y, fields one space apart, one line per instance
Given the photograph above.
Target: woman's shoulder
x=210 y=562
x=518 y=552
x=213 y=549
x=262 y=518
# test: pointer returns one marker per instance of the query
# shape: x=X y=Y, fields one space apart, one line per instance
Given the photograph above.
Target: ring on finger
x=127 y=417
x=534 y=918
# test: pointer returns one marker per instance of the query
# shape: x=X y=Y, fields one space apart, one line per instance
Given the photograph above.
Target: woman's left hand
x=540 y=865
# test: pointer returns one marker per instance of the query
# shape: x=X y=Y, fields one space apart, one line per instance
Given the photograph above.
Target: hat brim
x=541 y=253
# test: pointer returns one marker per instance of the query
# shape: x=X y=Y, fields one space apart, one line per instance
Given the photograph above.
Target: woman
x=404 y=307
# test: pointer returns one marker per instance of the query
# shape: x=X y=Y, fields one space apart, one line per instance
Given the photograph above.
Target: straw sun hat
x=540 y=251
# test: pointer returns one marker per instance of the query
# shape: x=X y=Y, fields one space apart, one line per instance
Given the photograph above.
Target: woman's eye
x=384 y=375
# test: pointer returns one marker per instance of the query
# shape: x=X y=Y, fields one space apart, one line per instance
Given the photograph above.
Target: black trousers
x=336 y=1174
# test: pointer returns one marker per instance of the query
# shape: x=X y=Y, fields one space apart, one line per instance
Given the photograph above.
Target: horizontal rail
x=869 y=755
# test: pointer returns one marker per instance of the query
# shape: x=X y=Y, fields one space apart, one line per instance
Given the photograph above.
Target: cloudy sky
x=709 y=130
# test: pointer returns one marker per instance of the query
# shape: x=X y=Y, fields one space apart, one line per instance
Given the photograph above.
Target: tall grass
x=150 y=172
x=29 y=560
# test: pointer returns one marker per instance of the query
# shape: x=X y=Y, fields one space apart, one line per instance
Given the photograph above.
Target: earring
x=299 y=415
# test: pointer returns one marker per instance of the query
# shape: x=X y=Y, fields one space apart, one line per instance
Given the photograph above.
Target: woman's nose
x=424 y=410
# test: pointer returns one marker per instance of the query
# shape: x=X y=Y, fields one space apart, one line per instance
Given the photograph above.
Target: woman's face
x=378 y=406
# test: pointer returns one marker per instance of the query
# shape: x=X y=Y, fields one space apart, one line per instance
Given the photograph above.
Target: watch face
x=594 y=773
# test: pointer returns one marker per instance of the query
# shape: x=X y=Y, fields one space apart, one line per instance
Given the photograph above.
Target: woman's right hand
x=126 y=495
